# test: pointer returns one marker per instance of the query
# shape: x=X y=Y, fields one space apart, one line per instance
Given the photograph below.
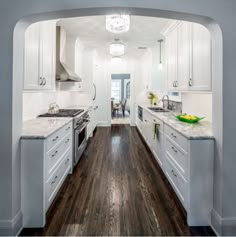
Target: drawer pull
x=172 y=171
x=55 y=139
x=54 y=153
x=67 y=140
x=173 y=135
x=68 y=129
x=174 y=149
x=55 y=179
x=67 y=161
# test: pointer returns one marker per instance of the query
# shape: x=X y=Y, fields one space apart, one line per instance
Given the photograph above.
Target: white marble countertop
x=41 y=128
x=197 y=131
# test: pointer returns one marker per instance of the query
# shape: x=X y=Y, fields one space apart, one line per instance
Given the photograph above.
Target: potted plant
x=153 y=98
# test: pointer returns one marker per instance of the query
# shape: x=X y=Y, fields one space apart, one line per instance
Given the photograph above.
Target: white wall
x=199 y=104
x=35 y=103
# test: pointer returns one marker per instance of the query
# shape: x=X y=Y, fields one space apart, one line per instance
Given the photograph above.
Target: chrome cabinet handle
x=40 y=81
x=190 y=82
x=67 y=161
x=176 y=83
x=173 y=135
x=173 y=83
x=174 y=149
x=67 y=140
x=44 y=81
x=54 y=153
x=54 y=180
x=55 y=139
x=68 y=129
x=172 y=171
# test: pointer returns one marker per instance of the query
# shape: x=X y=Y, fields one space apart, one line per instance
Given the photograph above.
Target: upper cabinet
x=188 y=52
x=200 y=77
x=39 y=56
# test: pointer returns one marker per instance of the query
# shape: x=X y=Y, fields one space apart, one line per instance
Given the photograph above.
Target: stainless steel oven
x=80 y=136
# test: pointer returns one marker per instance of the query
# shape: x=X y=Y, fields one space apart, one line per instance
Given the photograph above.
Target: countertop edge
x=43 y=137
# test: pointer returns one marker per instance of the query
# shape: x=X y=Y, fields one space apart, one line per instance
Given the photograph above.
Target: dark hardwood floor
x=117 y=189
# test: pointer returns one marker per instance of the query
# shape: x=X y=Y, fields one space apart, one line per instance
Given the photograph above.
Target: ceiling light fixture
x=117 y=49
x=160 y=63
x=118 y=23
x=116 y=59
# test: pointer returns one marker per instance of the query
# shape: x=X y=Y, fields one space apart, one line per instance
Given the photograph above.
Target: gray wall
x=207 y=12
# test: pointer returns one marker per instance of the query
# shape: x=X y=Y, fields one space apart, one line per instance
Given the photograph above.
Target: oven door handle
x=80 y=129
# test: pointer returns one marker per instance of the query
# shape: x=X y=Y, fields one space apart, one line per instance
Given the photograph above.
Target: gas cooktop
x=64 y=113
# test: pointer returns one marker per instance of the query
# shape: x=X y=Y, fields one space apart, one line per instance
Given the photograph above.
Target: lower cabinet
x=93 y=121
x=45 y=164
x=187 y=164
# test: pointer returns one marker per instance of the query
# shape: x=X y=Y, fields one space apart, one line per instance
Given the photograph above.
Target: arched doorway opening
x=217 y=66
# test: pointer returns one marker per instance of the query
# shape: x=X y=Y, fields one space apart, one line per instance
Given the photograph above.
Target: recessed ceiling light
x=118 y=23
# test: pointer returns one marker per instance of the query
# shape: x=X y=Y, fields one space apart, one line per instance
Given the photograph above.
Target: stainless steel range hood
x=63 y=72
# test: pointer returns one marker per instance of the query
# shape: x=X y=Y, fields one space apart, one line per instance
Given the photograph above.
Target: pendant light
x=160 y=67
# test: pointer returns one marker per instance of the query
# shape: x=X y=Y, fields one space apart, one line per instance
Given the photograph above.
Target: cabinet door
x=47 y=54
x=148 y=130
x=184 y=46
x=201 y=59
x=31 y=58
x=172 y=58
x=157 y=146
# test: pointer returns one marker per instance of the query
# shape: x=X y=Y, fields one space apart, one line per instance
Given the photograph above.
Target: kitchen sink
x=158 y=109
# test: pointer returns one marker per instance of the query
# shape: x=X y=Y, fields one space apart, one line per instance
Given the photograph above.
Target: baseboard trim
x=11 y=227
x=103 y=124
x=223 y=225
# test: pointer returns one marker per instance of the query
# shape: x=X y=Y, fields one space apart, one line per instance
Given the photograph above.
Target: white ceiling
x=144 y=32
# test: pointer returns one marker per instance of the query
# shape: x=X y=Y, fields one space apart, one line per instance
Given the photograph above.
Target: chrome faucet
x=168 y=101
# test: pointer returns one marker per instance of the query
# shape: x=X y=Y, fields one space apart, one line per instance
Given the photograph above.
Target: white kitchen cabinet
x=200 y=77
x=39 y=56
x=184 y=47
x=93 y=121
x=152 y=131
x=45 y=164
x=31 y=58
x=188 y=55
x=171 y=51
x=187 y=164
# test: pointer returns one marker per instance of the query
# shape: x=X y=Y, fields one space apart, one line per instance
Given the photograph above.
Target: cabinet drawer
x=177 y=155
x=56 y=154
x=176 y=137
x=177 y=180
x=57 y=136
x=55 y=181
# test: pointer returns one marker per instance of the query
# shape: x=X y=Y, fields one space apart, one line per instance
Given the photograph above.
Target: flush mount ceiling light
x=160 y=63
x=116 y=59
x=117 y=49
x=118 y=23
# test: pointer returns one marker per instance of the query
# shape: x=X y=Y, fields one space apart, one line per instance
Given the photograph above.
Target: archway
x=217 y=65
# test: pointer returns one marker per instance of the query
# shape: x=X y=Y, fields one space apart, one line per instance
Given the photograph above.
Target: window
x=128 y=90
x=116 y=90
